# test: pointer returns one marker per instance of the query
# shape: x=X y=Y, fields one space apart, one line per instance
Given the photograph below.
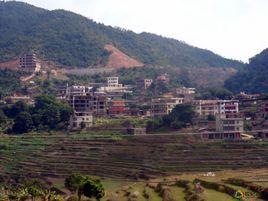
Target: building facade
x=29 y=63
x=212 y=107
x=117 y=107
x=95 y=103
x=80 y=120
x=229 y=123
x=163 y=106
x=144 y=83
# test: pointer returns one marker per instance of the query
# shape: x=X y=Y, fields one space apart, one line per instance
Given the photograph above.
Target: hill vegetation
x=253 y=78
x=73 y=40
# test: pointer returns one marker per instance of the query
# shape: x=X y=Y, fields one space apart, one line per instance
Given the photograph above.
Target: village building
x=136 y=131
x=262 y=134
x=162 y=79
x=205 y=108
x=144 y=83
x=95 y=103
x=113 y=82
x=187 y=93
x=242 y=96
x=230 y=123
x=15 y=98
x=263 y=113
x=116 y=107
x=163 y=106
x=29 y=63
x=228 y=106
x=81 y=120
x=229 y=126
x=113 y=86
x=78 y=90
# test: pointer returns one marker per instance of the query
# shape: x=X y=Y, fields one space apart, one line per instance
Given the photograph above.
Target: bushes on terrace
x=218 y=187
x=180 y=117
x=251 y=186
x=84 y=185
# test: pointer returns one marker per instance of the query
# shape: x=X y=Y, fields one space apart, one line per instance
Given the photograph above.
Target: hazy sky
x=232 y=28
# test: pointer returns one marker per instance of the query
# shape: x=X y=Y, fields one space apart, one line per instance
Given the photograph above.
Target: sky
x=232 y=28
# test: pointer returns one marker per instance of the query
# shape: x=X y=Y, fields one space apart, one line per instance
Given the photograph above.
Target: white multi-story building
x=213 y=107
x=114 y=86
x=113 y=82
x=185 y=91
x=228 y=106
x=78 y=90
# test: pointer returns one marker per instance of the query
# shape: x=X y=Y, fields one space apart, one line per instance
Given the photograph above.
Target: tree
x=84 y=185
x=16 y=108
x=74 y=183
x=3 y=120
x=93 y=189
x=82 y=125
x=23 y=123
x=50 y=113
x=179 y=117
x=211 y=117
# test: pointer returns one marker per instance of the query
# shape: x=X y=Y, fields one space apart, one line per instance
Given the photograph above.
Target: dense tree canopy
x=180 y=117
x=9 y=81
x=253 y=78
x=46 y=114
x=84 y=185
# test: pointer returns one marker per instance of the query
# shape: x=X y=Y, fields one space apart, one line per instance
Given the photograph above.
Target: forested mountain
x=73 y=40
x=253 y=78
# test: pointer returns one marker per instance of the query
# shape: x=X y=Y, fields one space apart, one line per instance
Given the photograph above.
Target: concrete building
x=185 y=91
x=113 y=86
x=162 y=79
x=136 y=131
x=116 y=107
x=29 y=63
x=163 y=106
x=144 y=83
x=113 y=82
x=94 y=103
x=212 y=107
x=228 y=106
x=229 y=123
x=81 y=120
x=263 y=111
x=78 y=90
x=15 y=98
x=206 y=107
x=228 y=127
x=221 y=136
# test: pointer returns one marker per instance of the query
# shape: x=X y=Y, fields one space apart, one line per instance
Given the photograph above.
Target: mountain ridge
x=70 y=39
x=253 y=77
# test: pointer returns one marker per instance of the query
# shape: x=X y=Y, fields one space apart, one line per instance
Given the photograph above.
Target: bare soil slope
x=12 y=64
x=119 y=59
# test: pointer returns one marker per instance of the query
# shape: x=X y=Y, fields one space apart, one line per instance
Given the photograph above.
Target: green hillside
x=253 y=78
x=73 y=40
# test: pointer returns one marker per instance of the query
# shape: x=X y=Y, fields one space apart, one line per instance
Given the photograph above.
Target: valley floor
x=132 y=165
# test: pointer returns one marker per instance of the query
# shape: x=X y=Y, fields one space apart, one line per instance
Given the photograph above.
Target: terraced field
x=125 y=157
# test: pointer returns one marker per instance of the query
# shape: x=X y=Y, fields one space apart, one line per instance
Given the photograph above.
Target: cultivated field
x=131 y=166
